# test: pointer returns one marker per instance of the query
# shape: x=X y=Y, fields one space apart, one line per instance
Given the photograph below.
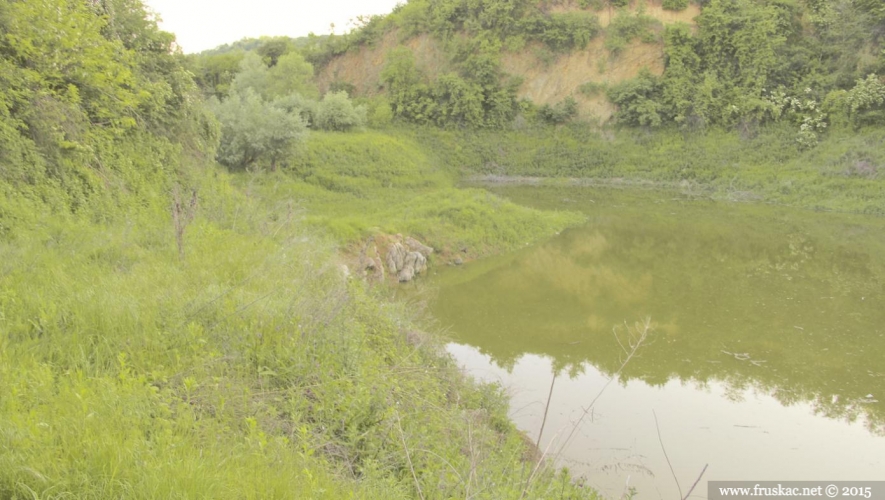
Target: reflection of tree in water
x=787 y=308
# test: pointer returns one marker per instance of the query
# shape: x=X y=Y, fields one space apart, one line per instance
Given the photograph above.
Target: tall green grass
x=845 y=172
x=352 y=186
x=252 y=368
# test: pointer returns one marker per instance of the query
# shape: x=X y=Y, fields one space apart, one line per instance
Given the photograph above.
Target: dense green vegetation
x=354 y=185
x=172 y=330
x=175 y=327
x=841 y=174
x=812 y=63
x=251 y=369
x=750 y=62
x=94 y=120
x=799 y=151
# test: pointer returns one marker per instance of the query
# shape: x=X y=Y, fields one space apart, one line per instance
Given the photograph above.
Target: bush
x=559 y=113
x=254 y=130
x=638 y=100
x=591 y=4
x=626 y=27
x=379 y=114
x=337 y=112
x=866 y=101
x=592 y=89
x=562 y=31
x=675 y=5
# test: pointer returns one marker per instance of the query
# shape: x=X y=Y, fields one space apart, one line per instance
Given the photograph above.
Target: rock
x=377 y=268
x=406 y=274
x=414 y=264
x=396 y=256
x=420 y=263
x=371 y=266
x=416 y=246
x=407 y=258
x=458 y=261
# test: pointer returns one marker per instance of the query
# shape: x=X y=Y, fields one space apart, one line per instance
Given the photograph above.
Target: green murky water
x=766 y=358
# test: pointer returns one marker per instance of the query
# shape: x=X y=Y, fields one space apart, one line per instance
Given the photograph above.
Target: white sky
x=203 y=24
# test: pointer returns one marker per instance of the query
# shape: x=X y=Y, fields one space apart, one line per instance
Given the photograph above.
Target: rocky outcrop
x=414 y=264
x=370 y=264
x=407 y=258
x=416 y=246
x=403 y=257
x=396 y=257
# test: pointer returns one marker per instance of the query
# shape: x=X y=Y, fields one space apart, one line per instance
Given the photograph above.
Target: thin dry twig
x=661 y=440
x=546 y=408
x=443 y=460
x=535 y=469
x=183 y=213
x=634 y=343
x=402 y=437
x=698 y=480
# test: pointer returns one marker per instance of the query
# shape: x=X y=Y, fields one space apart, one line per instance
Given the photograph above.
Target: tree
x=273 y=49
x=291 y=74
x=254 y=130
x=253 y=75
x=214 y=73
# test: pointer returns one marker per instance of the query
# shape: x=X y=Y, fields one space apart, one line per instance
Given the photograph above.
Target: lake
x=764 y=357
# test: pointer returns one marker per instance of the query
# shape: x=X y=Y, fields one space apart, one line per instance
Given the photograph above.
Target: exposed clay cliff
x=548 y=78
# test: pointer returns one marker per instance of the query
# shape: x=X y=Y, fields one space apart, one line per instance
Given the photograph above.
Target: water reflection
x=749 y=304
x=789 y=303
x=740 y=434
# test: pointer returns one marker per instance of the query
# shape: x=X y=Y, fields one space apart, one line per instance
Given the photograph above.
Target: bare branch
x=698 y=480
x=665 y=454
x=402 y=437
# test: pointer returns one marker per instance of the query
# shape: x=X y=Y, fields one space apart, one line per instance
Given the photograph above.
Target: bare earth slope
x=547 y=78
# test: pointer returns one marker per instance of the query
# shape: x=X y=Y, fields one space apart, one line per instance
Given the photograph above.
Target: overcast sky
x=204 y=24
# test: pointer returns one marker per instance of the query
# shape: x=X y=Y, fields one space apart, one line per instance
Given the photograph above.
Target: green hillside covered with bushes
x=175 y=328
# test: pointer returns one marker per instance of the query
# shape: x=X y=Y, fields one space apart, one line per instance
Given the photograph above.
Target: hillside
x=175 y=328
x=548 y=77
x=731 y=63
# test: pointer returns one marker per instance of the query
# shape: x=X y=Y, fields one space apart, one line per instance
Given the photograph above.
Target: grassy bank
x=845 y=172
x=354 y=185
x=250 y=369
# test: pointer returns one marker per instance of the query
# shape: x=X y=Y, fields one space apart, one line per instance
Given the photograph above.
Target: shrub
x=866 y=101
x=254 y=130
x=379 y=114
x=562 y=31
x=559 y=113
x=675 y=5
x=626 y=27
x=337 y=112
x=591 y=4
x=591 y=89
x=638 y=100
